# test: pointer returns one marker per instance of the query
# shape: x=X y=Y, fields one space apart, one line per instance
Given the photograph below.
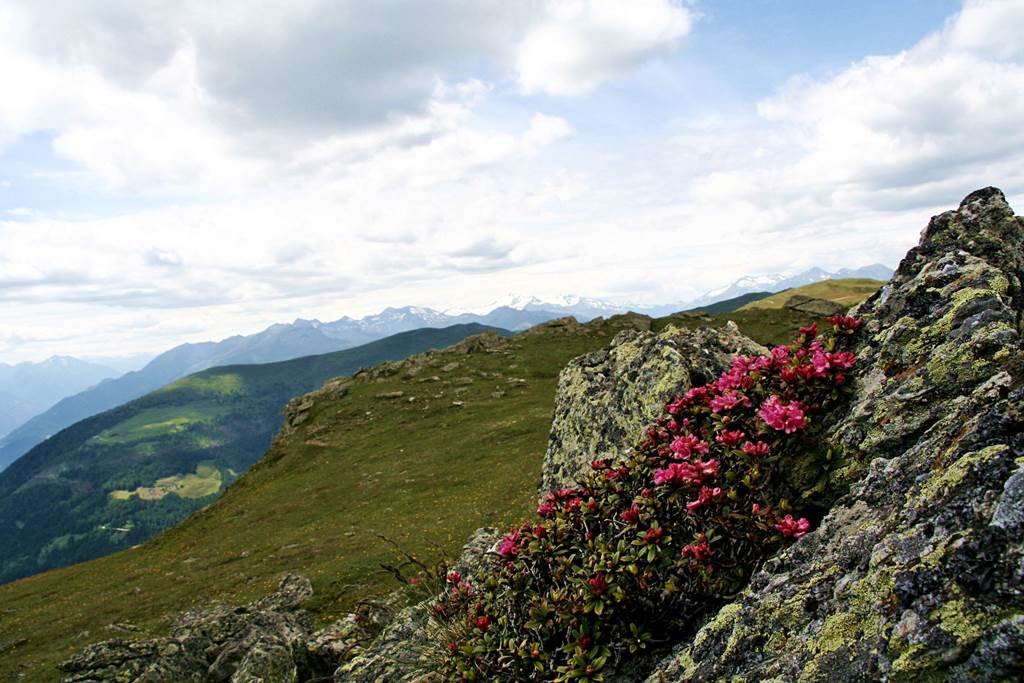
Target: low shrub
x=641 y=547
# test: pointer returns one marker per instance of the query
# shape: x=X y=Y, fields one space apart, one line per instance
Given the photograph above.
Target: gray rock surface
x=606 y=398
x=918 y=572
x=263 y=642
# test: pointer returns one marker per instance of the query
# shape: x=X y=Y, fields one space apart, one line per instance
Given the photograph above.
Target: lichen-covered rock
x=918 y=572
x=263 y=642
x=606 y=398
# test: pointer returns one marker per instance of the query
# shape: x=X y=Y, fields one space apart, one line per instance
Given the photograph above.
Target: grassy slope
x=848 y=292
x=425 y=473
x=65 y=501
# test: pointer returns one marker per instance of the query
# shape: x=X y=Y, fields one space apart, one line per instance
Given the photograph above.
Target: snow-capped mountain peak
x=776 y=282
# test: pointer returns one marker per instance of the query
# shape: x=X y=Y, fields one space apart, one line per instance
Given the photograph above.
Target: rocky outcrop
x=808 y=304
x=918 y=572
x=267 y=641
x=607 y=397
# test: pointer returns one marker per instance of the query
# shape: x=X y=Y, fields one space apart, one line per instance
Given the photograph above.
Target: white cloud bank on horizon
x=338 y=167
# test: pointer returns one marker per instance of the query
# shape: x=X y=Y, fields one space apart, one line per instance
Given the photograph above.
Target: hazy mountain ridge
x=27 y=389
x=278 y=342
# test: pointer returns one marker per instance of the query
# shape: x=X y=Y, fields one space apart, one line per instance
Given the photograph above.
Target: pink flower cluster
x=509 y=544
x=705 y=497
x=687 y=445
x=730 y=437
x=686 y=473
x=631 y=515
x=795 y=528
x=756 y=449
x=729 y=400
x=563 y=499
x=698 y=551
x=785 y=417
x=845 y=322
x=700 y=500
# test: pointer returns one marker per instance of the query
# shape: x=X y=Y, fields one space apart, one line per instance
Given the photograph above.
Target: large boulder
x=918 y=572
x=607 y=397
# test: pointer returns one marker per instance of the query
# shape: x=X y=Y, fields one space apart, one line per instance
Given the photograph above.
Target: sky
x=185 y=171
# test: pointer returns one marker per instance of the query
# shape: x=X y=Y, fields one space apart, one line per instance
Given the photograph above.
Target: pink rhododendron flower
x=728 y=401
x=612 y=475
x=454 y=577
x=685 y=446
x=631 y=514
x=653 y=534
x=785 y=417
x=698 y=551
x=706 y=468
x=756 y=449
x=821 y=363
x=677 y=473
x=698 y=395
x=845 y=322
x=730 y=437
x=509 y=544
x=598 y=584
x=546 y=509
x=810 y=331
x=676 y=406
x=706 y=496
x=483 y=623
x=780 y=355
x=843 y=359
x=796 y=528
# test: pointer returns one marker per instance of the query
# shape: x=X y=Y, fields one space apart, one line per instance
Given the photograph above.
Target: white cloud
x=583 y=43
x=431 y=198
x=218 y=98
x=945 y=108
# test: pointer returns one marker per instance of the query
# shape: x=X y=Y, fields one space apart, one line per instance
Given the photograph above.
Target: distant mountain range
x=27 y=426
x=780 y=281
x=27 y=389
x=276 y=343
x=118 y=477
